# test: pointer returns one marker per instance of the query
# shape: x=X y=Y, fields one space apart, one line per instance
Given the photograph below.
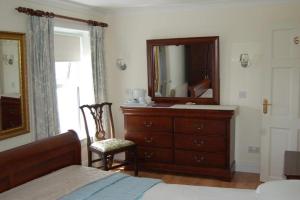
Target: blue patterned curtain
x=98 y=68
x=42 y=71
x=96 y=35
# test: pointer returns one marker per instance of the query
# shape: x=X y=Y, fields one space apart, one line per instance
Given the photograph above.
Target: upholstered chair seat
x=112 y=144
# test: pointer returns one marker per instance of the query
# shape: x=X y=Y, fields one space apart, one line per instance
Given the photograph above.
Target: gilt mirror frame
x=23 y=88
x=215 y=82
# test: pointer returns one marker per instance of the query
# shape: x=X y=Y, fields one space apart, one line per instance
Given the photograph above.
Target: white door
x=281 y=123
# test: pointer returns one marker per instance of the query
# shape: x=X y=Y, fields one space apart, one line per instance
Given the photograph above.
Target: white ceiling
x=157 y=3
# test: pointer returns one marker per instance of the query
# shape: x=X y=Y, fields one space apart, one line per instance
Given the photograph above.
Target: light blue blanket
x=113 y=187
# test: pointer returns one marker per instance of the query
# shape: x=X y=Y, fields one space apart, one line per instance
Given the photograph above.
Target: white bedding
x=207 y=94
x=55 y=184
x=63 y=181
x=165 y=191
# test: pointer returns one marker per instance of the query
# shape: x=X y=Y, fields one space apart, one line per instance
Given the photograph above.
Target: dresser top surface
x=184 y=106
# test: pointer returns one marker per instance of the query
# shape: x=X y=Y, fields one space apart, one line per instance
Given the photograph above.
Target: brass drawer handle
x=148 y=124
x=12 y=112
x=199 y=159
x=148 y=155
x=148 y=140
x=199 y=126
x=199 y=142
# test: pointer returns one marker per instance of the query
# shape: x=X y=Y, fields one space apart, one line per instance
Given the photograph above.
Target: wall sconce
x=244 y=59
x=296 y=40
x=8 y=59
x=121 y=64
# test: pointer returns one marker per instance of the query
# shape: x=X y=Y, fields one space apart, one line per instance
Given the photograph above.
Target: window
x=73 y=77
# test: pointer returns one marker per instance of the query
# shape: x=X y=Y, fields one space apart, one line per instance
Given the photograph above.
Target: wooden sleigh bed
x=27 y=162
x=31 y=165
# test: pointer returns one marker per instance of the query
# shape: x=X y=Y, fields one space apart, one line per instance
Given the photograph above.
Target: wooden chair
x=105 y=147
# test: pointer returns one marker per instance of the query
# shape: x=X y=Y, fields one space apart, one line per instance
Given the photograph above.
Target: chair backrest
x=98 y=113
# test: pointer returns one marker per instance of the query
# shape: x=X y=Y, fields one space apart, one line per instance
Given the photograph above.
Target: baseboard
x=249 y=167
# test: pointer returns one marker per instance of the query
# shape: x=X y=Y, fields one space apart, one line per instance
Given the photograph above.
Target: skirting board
x=249 y=167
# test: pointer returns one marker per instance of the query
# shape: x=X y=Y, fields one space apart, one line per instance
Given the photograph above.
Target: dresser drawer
x=141 y=123
x=11 y=110
x=158 y=139
x=200 y=126
x=200 y=143
x=195 y=158
x=155 y=155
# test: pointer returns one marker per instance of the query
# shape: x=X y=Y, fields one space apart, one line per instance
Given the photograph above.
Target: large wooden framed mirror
x=14 y=116
x=183 y=70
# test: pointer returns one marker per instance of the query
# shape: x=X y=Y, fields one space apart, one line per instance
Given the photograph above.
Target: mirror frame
x=24 y=128
x=184 y=41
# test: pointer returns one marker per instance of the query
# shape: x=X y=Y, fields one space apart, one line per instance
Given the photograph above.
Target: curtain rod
x=40 y=13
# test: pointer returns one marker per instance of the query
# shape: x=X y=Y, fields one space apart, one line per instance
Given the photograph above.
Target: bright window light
x=73 y=77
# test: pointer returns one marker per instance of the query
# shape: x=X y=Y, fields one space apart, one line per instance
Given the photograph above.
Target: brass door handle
x=265 y=106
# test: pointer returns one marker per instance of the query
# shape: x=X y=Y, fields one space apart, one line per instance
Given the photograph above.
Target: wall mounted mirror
x=14 y=118
x=184 y=70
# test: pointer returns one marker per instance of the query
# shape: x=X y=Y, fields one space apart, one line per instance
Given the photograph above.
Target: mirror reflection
x=183 y=70
x=10 y=103
x=14 y=116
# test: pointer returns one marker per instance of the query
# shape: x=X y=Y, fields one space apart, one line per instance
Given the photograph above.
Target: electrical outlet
x=253 y=149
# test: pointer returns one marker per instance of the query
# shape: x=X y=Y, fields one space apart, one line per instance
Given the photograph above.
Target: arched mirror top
x=183 y=70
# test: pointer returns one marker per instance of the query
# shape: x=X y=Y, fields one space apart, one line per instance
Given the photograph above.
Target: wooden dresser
x=196 y=140
x=10 y=111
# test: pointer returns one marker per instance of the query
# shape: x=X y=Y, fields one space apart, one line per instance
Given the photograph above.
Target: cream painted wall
x=11 y=20
x=241 y=29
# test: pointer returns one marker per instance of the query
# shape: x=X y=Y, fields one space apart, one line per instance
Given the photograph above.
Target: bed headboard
x=30 y=161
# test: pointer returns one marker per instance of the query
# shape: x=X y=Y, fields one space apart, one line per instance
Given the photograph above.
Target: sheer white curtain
x=42 y=72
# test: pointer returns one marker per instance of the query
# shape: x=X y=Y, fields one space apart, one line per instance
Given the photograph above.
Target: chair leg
x=89 y=158
x=104 y=158
x=110 y=161
x=136 y=167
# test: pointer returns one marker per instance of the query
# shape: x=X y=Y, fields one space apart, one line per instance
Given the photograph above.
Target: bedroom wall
x=241 y=29
x=11 y=20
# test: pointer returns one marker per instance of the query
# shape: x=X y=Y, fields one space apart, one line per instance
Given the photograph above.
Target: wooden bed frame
x=200 y=88
x=30 y=161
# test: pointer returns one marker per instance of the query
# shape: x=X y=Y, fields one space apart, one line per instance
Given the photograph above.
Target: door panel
x=281 y=124
x=284 y=50
x=298 y=140
x=278 y=144
x=281 y=91
x=283 y=44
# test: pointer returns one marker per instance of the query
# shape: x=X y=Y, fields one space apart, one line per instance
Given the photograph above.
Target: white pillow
x=279 y=190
